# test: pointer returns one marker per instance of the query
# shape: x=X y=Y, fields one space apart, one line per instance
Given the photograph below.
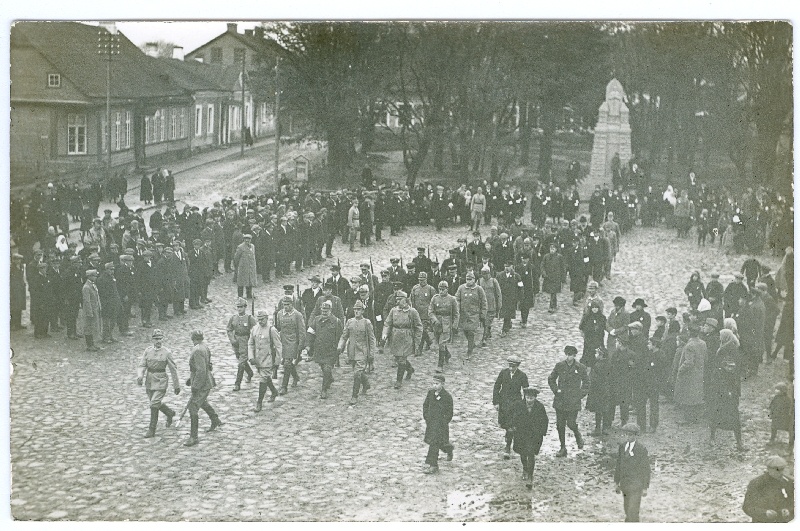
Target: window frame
x=79 y=135
x=54 y=76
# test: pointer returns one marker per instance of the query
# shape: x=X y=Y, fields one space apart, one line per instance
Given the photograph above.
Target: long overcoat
x=405 y=331
x=507 y=392
x=512 y=289
x=530 y=427
x=689 y=380
x=471 y=307
x=244 y=262
x=92 y=322
x=437 y=410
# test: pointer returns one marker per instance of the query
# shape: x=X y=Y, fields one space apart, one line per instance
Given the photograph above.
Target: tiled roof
x=194 y=75
x=72 y=48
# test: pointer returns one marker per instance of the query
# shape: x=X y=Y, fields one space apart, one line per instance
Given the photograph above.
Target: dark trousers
x=524 y=313
x=623 y=413
x=327 y=375
x=289 y=369
x=470 y=335
x=564 y=419
x=70 y=321
x=553 y=301
x=360 y=381
x=506 y=323
x=432 y=458
x=146 y=309
x=194 y=294
x=244 y=367
x=123 y=317
x=378 y=231
x=329 y=244
x=640 y=400
x=602 y=420
x=528 y=464
x=240 y=291
x=632 y=501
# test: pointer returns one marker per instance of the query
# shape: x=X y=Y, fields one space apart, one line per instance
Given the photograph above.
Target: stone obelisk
x=612 y=135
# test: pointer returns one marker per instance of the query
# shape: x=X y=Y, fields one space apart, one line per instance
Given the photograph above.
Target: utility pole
x=241 y=135
x=108 y=45
x=277 y=124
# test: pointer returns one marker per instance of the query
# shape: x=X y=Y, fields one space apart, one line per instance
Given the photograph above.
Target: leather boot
x=215 y=422
x=262 y=390
x=168 y=412
x=151 y=430
x=192 y=441
x=409 y=371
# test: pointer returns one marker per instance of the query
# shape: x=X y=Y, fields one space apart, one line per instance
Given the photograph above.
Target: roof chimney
x=177 y=52
x=151 y=49
x=258 y=32
x=110 y=26
x=232 y=27
x=248 y=32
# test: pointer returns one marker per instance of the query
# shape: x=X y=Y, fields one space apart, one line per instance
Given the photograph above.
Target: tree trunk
x=546 y=142
x=525 y=131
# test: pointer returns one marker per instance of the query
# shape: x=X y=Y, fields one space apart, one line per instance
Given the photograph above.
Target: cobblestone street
x=77 y=422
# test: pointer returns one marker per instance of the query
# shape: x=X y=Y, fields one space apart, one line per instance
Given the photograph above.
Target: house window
x=198 y=120
x=216 y=55
x=157 y=134
x=182 y=125
x=126 y=142
x=117 y=139
x=53 y=80
x=76 y=134
x=238 y=55
x=103 y=135
x=163 y=126
x=173 y=123
x=210 y=119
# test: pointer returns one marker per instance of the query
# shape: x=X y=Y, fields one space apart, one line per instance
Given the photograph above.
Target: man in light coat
x=201 y=381
x=92 y=320
x=244 y=263
x=264 y=350
x=472 y=310
x=358 y=338
x=443 y=313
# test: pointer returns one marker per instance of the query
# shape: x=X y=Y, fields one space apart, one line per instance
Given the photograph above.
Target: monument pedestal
x=612 y=135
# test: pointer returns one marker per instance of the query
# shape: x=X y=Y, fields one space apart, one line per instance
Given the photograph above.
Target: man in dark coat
x=529 y=275
x=512 y=289
x=110 y=303
x=198 y=271
x=17 y=295
x=201 y=381
x=529 y=426
x=437 y=410
x=632 y=474
x=508 y=392
x=568 y=381
x=770 y=496
x=147 y=288
x=73 y=295
x=42 y=292
x=735 y=291
x=553 y=267
x=639 y=315
x=126 y=286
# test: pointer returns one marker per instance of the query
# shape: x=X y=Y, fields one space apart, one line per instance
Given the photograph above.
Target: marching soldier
x=443 y=314
x=239 y=327
x=323 y=336
x=359 y=340
x=152 y=372
x=292 y=326
x=421 y=296
x=404 y=331
x=472 y=310
x=201 y=381
x=265 y=350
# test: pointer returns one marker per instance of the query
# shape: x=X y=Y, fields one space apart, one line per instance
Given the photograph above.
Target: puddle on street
x=467 y=505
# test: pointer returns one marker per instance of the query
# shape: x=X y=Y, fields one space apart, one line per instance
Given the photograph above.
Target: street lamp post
x=277 y=124
x=108 y=45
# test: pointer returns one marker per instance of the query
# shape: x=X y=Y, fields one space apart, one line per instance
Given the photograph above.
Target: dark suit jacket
x=633 y=472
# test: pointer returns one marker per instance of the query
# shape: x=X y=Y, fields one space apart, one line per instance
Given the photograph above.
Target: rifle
x=183 y=414
x=401 y=262
x=428 y=254
x=297 y=290
x=253 y=306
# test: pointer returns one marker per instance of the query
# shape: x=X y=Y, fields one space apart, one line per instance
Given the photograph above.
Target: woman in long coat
x=403 y=332
x=244 y=265
x=593 y=328
x=723 y=409
x=689 y=378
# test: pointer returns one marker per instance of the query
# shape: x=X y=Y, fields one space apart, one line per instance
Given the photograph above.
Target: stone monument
x=612 y=135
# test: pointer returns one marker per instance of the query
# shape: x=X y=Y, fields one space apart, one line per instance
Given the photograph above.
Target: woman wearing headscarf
x=723 y=407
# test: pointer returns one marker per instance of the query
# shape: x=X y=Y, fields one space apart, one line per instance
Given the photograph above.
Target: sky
x=190 y=35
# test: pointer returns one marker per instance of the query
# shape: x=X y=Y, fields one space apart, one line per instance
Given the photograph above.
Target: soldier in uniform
x=327 y=295
x=290 y=323
x=396 y=273
x=421 y=296
x=506 y=394
x=421 y=262
x=323 y=335
x=472 y=308
x=443 y=314
x=152 y=372
x=264 y=349
x=358 y=338
x=403 y=329
x=239 y=327
x=201 y=381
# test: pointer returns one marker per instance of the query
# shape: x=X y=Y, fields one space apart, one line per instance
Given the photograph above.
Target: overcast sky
x=190 y=35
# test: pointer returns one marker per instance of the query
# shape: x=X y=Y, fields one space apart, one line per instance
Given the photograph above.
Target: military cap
x=394 y=260
x=364 y=265
x=91 y=272
x=486 y=269
x=570 y=350
x=592 y=284
x=287 y=298
x=462 y=239
x=422 y=274
x=316 y=279
x=439 y=377
x=247 y=235
x=126 y=257
x=288 y=287
x=327 y=304
x=452 y=266
x=147 y=253
x=358 y=305
x=712 y=322
x=261 y=313
x=158 y=334
x=421 y=249
x=470 y=274
x=363 y=288
x=335 y=267
x=241 y=302
x=619 y=301
x=401 y=294
x=443 y=284
x=776 y=462
x=385 y=273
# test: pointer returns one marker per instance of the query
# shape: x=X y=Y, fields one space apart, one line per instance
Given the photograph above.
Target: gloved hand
x=177 y=390
x=139 y=381
x=188 y=382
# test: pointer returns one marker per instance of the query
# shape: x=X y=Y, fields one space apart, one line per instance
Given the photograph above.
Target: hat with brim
x=619 y=301
x=514 y=359
x=531 y=391
x=640 y=302
x=631 y=427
